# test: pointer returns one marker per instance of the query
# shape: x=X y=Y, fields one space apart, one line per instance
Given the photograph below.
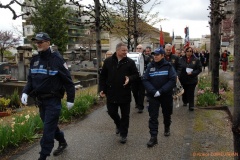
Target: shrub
x=4 y=103
x=207 y=99
x=15 y=100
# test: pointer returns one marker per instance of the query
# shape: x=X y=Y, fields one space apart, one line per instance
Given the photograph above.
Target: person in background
x=178 y=53
x=224 y=60
x=138 y=89
x=182 y=53
x=149 y=57
x=203 y=59
x=159 y=80
x=47 y=81
x=172 y=58
x=118 y=72
x=191 y=68
x=108 y=54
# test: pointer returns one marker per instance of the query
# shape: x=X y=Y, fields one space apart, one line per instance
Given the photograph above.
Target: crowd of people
x=162 y=70
x=119 y=78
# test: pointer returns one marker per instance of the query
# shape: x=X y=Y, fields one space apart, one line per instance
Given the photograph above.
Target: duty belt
x=47 y=95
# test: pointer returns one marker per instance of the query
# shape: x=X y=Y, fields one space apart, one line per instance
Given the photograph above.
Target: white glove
x=157 y=94
x=24 y=98
x=69 y=105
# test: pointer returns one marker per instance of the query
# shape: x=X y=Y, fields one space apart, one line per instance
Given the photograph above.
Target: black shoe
x=42 y=157
x=117 y=131
x=123 y=140
x=60 y=149
x=184 y=104
x=140 y=111
x=191 y=108
x=167 y=131
x=153 y=141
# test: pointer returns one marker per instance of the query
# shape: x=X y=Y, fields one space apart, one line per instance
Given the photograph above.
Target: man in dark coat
x=118 y=72
x=159 y=80
x=48 y=79
x=173 y=59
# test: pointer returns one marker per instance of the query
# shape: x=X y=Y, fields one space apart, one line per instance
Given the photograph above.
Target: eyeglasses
x=39 y=42
x=139 y=48
x=188 y=51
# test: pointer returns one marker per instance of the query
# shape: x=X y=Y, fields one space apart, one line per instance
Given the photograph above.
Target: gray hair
x=168 y=45
x=119 y=45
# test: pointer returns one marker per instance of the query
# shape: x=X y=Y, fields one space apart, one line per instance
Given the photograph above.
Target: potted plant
x=4 y=103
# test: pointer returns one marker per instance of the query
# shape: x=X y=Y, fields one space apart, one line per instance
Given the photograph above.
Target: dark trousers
x=49 y=113
x=122 y=123
x=188 y=95
x=138 y=91
x=166 y=103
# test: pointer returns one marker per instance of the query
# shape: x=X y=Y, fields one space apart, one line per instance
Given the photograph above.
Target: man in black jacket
x=159 y=81
x=118 y=72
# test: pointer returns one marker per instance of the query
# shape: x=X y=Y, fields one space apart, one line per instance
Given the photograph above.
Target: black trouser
x=188 y=95
x=121 y=123
x=166 y=102
x=50 y=110
x=138 y=91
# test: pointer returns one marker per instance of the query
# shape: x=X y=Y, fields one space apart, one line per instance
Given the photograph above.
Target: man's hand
x=157 y=94
x=24 y=98
x=126 y=81
x=102 y=94
x=69 y=105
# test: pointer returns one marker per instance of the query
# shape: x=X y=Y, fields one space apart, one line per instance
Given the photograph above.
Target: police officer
x=159 y=81
x=47 y=81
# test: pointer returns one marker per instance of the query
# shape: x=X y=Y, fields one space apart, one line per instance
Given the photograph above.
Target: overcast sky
x=182 y=13
x=178 y=15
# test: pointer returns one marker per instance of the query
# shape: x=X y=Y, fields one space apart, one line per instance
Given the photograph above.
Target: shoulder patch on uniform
x=152 y=69
x=36 y=63
x=65 y=65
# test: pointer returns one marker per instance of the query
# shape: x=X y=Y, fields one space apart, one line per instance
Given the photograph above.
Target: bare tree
x=7 y=40
x=236 y=115
x=216 y=16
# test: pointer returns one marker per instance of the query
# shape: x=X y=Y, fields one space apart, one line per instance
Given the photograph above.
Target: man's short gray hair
x=119 y=45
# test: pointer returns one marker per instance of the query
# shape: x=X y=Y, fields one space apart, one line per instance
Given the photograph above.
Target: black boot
x=123 y=139
x=60 y=149
x=191 y=108
x=153 y=141
x=42 y=157
x=166 y=131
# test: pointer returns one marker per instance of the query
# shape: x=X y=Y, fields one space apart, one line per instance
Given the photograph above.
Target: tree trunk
x=135 y=23
x=98 y=39
x=236 y=115
x=215 y=48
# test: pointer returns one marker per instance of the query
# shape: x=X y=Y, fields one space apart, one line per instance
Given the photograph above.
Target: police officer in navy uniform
x=47 y=81
x=159 y=80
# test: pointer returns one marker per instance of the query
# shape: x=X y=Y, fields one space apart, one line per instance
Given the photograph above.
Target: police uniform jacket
x=112 y=78
x=174 y=60
x=159 y=76
x=193 y=63
x=48 y=74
